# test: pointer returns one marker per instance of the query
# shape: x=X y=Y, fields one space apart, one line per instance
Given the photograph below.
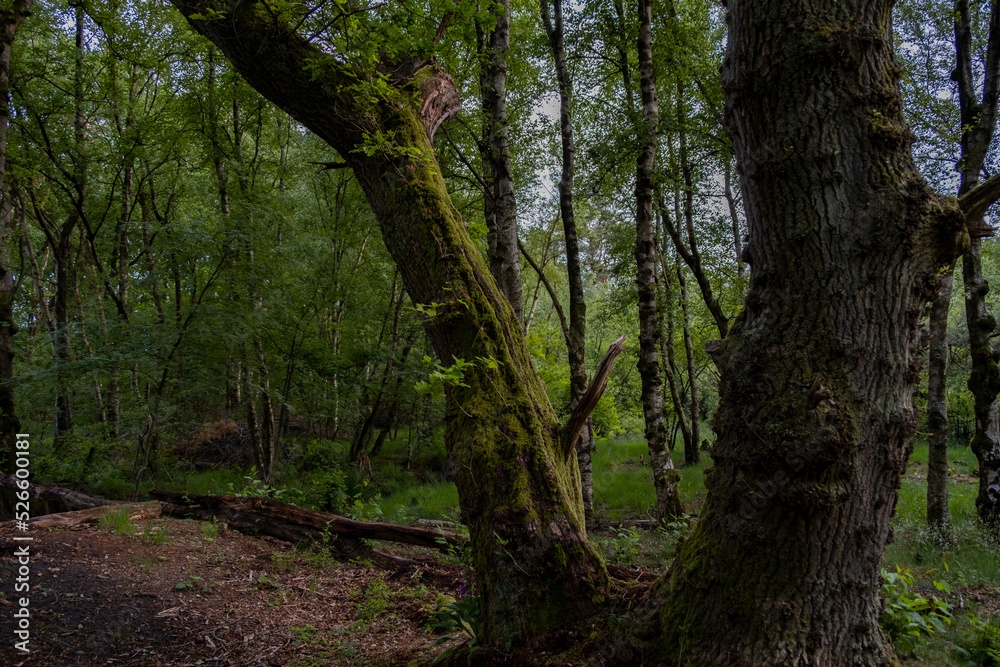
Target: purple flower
x=463 y=590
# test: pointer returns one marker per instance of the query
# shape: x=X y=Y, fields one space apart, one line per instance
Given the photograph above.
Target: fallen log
x=344 y=547
x=291 y=518
x=136 y=511
x=66 y=498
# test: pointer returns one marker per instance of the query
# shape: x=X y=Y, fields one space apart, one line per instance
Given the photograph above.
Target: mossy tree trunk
x=517 y=479
x=819 y=370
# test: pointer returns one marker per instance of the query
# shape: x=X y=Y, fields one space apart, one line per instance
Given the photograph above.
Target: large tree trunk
x=819 y=370
x=518 y=482
x=665 y=477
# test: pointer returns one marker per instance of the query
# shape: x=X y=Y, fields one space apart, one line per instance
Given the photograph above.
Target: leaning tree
x=378 y=102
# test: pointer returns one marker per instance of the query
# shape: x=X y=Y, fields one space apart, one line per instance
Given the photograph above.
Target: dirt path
x=187 y=593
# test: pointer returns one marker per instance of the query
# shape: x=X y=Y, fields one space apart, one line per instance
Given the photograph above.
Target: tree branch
x=548 y=288
x=975 y=203
x=573 y=428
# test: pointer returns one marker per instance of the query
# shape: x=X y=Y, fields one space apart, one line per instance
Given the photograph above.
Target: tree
x=819 y=370
x=575 y=330
x=665 y=477
x=499 y=202
x=517 y=479
x=10 y=19
x=979 y=118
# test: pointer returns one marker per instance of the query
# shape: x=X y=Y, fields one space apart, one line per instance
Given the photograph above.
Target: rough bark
x=665 y=477
x=499 y=203
x=819 y=369
x=576 y=336
x=978 y=125
x=519 y=495
x=937 y=407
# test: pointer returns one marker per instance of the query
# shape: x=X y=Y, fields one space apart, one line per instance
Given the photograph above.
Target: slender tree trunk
x=577 y=331
x=390 y=412
x=666 y=306
x=63 y=252
x=937 y=407
x=819 y=371
x=670 y=372
x=978 y=127
x=665 y=477
x=735 y=219
x=361 y=439
x=692 y=447
x=499 y=203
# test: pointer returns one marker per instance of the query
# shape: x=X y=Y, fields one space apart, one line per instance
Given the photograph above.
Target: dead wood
x=136 y=511
x=590 y=399
x=344 y=547
x=71 y=500
x=282 y=517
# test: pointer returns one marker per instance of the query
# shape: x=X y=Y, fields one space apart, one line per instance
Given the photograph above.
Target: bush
x=981 y=647
x=908 y=618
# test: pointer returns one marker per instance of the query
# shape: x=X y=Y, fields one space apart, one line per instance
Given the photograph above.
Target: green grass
x=118 y=522
x=624 y=490
x=428 y=501
x=969 y=557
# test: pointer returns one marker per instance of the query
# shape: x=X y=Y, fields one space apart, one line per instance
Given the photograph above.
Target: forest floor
x=171 y=592
x=178 y=593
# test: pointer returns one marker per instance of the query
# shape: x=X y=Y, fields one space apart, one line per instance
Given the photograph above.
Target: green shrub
x=981 y=647
x=463 y=615
x=908 y=618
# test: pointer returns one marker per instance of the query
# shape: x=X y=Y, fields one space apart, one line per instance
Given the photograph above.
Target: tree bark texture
x=978 y=125
x=938 y=516
x=819 y=370
x=519 y=493
x=500 y=202
x=665 y=477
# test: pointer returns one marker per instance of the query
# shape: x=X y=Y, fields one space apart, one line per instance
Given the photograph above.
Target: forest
x=400 y=332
